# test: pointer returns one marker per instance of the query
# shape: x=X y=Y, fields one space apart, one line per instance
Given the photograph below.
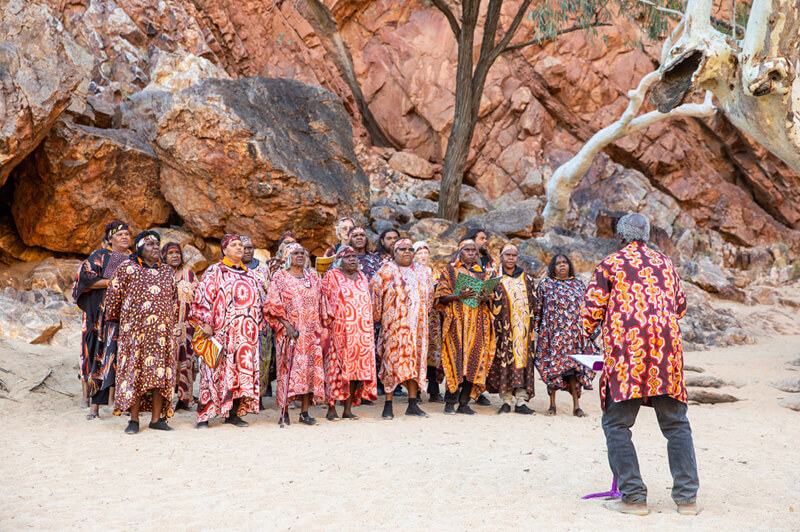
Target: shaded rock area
x=67 y=187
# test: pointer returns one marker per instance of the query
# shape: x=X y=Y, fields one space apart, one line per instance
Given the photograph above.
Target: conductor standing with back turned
x=637 y=299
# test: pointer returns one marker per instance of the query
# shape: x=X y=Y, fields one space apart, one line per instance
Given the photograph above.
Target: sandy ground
x=486 y=472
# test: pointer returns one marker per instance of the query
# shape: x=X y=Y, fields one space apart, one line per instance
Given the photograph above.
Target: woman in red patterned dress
x=296 y=311
x=228 y=306
x=350 y=356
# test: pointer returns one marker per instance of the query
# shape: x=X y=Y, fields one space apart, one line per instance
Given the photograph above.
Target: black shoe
x=236 y=421
x=160 y=425
x=349 y=416
x=388 y=412
x=305 y=419
x=436 y=398
x=285 y=420
x=332 y=416
x=180 y=405
x=523 y=409
x=202 y=425
x=505 y=409
x=449 y=409
x=367 y=402
x=414 y=409
x=483 y=400
x=261 y=404
x=465 y=409
x=132 y=428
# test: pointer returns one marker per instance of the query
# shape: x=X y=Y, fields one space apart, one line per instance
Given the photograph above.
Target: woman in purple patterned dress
x=558 y=328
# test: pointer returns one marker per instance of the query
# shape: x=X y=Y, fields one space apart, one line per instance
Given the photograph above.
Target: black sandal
x=578 y=413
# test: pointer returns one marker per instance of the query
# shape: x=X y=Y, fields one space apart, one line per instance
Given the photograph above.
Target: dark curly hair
x=551 y=268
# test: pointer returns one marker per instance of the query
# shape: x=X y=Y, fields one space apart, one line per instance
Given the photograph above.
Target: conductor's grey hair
x=633 y=228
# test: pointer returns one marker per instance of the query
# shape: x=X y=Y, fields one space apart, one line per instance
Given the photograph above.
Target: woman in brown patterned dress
x=559 y=331
x=142 y=296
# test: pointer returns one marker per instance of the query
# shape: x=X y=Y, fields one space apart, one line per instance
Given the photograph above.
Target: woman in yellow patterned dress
x=512 y=373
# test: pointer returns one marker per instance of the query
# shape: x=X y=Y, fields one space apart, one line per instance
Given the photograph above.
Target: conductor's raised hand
x=207 y=330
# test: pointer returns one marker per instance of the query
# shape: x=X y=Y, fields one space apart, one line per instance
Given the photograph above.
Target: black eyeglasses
x=405 y=249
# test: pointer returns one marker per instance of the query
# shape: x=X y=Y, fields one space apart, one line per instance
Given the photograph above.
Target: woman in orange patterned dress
x=402 y=295
x=350 y=357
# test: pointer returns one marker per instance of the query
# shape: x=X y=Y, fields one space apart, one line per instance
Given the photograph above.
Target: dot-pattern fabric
x=144 y=301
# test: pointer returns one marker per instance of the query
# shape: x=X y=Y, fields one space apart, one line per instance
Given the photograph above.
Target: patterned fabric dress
x=468 y=342
x=637 y=297
x=513 y=308
x=261 y=272
x=300 y=302
x=401 y=299
x=228 y=299
x=435 y=332
x=144 y=301
x=98 y=339
x=350 y=355
x=370 y=264
x=559 y=333
x=184 y=353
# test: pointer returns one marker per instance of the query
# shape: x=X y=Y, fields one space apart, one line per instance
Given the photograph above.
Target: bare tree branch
x=540 y=40
x=512 y=29
x=451 y=18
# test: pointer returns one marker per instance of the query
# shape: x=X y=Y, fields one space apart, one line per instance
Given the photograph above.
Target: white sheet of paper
x=590 y=361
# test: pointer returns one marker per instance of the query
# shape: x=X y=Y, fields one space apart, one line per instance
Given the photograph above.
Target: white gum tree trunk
x=754 y=80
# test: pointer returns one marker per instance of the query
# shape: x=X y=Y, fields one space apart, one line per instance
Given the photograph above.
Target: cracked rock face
x=259 y=156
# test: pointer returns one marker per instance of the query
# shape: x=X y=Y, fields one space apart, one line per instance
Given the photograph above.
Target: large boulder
x=259 y=156
x=80 y=178
x=520 y=220
x=37 y=75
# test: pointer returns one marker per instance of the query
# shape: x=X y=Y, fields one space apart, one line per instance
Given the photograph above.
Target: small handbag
x=207 y=348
